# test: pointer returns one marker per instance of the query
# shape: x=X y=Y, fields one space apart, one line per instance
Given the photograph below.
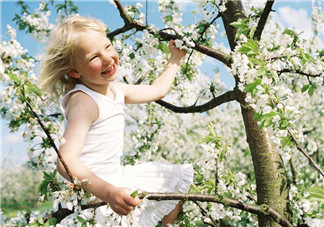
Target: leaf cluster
x=49 y=184
x=216 y=140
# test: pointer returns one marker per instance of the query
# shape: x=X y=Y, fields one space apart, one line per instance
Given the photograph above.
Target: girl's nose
x=107 y=58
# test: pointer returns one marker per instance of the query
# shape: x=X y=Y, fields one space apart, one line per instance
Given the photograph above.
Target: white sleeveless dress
x=103 y=149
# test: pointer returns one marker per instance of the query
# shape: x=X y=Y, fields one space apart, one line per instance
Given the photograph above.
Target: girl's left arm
x=161 y=86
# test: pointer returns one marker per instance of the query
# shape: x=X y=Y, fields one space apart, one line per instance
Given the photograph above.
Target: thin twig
x=205 y=213
x=300 y=148
x=51 y=141
x=299 y=72
x=200 y=37
x=293 y=169
x=146 y=12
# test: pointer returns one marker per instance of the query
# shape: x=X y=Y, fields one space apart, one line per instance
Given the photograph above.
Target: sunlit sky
x=289 y=13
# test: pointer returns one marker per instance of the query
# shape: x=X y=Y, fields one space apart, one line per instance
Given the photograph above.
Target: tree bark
x=270 y=175
x=271 y=179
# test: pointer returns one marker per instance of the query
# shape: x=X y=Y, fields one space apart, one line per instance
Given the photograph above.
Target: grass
x=11 y=210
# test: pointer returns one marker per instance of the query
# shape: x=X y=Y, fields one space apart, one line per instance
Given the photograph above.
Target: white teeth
x=108 y=70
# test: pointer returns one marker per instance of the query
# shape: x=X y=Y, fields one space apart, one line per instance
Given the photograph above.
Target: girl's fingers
x=132 y=201
x=124 y=209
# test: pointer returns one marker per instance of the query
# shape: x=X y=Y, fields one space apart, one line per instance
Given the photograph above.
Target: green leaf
x=261 y=71
x=241 y=31
x=14 y=77
x=52 y=221
x=257 y=116
x=212 y=130
x=80 y=219
x=321 y=53
x=47 y=176
x=40 y=220
x=164 y=48
x=244 y=49
x=33 y=88
x=316 y=194
x=283 y=124
x=311 y=90
x=251 y=53
x=286 y=141
x=251 y=44
x=206 y=139
x=309 y=57
x=132 y=56
x=267 y=122
x=134 y=193
x=168 y=18
x=305 y=88
x=289 y=32
x=251 y=33
x=238 y=24
x=274 y=75
x=251 y=87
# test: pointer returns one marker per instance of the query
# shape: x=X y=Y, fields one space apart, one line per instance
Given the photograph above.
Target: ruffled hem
x=155 y=211
x=186 y=178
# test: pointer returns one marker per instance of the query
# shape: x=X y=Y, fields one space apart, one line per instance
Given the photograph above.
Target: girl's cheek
x=96 y=66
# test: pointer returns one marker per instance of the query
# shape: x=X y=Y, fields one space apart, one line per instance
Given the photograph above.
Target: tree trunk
x=271 y=179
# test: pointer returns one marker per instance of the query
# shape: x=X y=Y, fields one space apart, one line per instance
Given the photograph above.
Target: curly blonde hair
x=59 y=55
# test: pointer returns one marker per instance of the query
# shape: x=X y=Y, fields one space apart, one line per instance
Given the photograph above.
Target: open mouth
x=111 y=70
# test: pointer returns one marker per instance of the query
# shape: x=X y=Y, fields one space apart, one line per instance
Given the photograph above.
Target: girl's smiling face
x=95 y=61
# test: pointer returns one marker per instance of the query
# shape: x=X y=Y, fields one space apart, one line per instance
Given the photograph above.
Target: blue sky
x=290 y=13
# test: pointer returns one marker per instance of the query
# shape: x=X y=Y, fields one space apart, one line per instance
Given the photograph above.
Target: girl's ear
x=73 y=73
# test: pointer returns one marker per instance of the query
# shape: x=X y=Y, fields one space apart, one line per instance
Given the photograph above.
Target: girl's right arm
x=81 y=112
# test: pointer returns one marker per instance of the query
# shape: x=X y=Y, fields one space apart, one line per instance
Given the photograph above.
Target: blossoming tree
x=255 y=147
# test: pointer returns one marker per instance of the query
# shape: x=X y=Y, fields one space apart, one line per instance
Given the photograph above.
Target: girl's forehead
x=91 y=36
x=90 y=41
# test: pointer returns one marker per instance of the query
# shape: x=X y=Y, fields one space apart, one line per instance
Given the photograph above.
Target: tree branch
x=299 y=72
x=300 y=148
x=226 y=97
x=130 y=24
x=48 y=134
x=266 y=11
x=228 y=202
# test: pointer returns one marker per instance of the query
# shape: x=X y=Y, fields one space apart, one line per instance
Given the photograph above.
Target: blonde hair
x=59 y=55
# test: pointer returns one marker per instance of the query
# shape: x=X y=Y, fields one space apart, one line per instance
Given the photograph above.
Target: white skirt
x=151 y=177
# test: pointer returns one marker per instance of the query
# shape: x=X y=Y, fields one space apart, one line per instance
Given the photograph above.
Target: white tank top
x=104 y=142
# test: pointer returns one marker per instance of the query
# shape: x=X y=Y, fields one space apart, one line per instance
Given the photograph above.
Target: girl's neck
x=105 y=89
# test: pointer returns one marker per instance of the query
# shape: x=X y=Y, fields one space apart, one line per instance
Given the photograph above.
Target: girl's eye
x=93 y=58
x=107 y=47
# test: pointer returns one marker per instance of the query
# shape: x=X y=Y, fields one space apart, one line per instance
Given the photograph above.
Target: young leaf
x=14 y=78
x=134 y=193
x=33 y=88
x=305 y=88
x=261 y=71
x=238 y=24
x=316 y=194
x=80 y=219
x=311 y=90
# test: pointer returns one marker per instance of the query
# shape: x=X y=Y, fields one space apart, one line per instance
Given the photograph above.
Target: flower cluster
x=39 y=22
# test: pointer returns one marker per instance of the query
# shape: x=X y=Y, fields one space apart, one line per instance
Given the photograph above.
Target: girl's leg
x=173 y=215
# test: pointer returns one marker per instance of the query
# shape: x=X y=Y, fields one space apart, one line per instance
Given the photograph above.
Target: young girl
x=82 y=64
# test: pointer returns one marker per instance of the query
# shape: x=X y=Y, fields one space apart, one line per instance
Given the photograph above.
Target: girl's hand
x=176 y=54
x=121 y=202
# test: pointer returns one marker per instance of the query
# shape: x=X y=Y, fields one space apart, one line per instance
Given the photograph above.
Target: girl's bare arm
x=161 y=86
